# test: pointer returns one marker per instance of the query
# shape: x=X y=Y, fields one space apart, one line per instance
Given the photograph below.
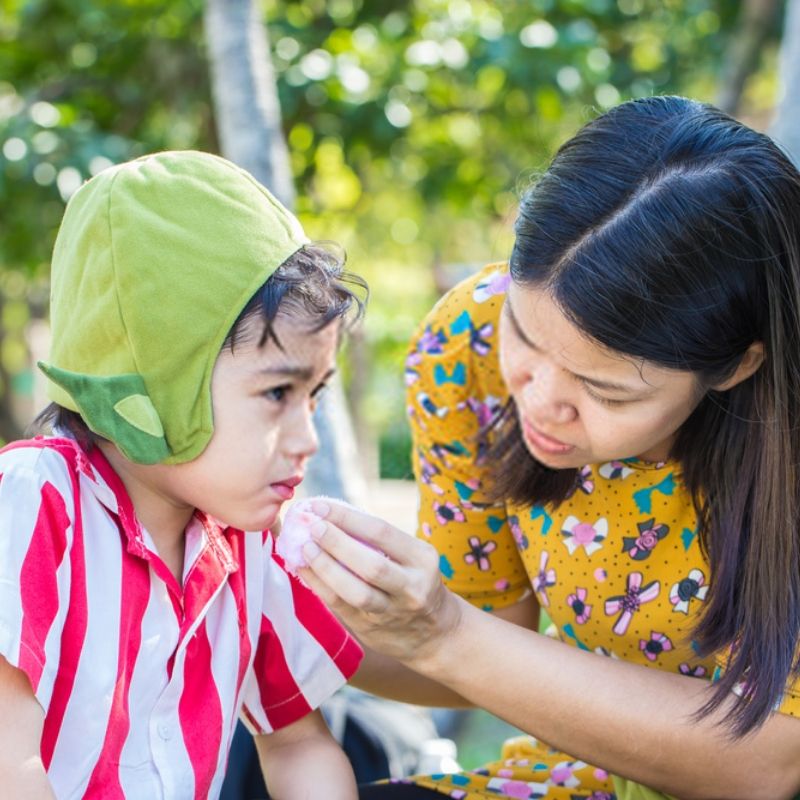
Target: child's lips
x=285 y=489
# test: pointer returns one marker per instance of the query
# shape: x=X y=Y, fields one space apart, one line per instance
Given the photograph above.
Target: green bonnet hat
x=154 y=261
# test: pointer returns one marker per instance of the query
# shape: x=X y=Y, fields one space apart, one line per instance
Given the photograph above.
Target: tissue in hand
x=295 y=532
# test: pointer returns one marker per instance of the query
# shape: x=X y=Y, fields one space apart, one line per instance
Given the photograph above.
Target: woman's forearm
x=386 y=676
x=634 y=721
x=631 y=720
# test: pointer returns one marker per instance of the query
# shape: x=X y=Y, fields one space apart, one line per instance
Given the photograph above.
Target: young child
x=142 y=609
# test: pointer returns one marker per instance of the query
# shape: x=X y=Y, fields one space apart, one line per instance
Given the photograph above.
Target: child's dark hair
x=670 y=232
x=312 y=281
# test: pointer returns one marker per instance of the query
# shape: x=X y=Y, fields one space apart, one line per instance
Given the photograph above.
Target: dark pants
x=244 y=781
x=396 y=791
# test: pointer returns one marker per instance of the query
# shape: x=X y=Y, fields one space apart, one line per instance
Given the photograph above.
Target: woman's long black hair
x=670 y=232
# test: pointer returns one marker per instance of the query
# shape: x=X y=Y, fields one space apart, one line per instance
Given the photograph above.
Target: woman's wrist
x=435 y=657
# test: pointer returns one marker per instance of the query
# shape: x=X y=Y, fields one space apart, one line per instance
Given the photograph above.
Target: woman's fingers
x=335 y=583
x=403 y=610
x=370 y=565
x=398 y=545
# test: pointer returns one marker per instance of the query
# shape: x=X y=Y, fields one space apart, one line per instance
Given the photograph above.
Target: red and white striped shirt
x=142 y=679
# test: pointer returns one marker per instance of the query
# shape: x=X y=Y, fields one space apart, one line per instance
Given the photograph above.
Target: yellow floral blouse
x=617 y=566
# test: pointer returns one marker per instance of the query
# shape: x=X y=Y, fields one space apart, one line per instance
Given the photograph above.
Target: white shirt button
x=165 y=732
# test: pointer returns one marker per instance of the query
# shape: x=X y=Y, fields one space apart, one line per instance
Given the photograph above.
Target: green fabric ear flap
x=118 y=408
x=138 y=410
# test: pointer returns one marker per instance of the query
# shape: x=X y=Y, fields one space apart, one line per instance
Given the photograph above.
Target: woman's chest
x=618 y=567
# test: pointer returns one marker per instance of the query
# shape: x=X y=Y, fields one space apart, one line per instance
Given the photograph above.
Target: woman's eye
x=604 y=400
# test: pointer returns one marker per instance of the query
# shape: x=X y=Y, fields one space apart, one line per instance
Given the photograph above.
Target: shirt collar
x=206 y=536
x=104 y=483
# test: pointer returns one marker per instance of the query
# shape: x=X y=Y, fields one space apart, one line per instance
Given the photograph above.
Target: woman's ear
x=751 y=361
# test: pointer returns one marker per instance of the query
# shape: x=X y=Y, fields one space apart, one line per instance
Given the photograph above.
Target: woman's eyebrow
x=608 y=385
x=517 y=327
x=595 y=382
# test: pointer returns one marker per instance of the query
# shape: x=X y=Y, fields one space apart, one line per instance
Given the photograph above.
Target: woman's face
x=578 y=402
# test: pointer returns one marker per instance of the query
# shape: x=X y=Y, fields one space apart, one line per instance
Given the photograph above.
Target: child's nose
x=301 y=439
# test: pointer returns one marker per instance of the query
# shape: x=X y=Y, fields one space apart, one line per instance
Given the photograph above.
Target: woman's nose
x=547 y=397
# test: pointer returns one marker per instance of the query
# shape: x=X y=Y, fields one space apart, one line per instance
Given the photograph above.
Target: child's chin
x=254 y=522
x=269 y=519
x=265 y=520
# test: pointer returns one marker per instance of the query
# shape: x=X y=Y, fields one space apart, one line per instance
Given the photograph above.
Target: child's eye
x=316 y=395
x=277 y=394
x=319 y=391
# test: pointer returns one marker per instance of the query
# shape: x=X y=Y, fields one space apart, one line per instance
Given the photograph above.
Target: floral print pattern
x=650 y=534
x=628 y=604
x=479 y=553
x=544 y=579
x=657 y=644
x=447 y=512
x=615 y=470
x=577 y=602
x=690 y=588
x=582 y=534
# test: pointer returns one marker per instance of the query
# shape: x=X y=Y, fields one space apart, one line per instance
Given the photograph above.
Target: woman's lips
x=543 y=442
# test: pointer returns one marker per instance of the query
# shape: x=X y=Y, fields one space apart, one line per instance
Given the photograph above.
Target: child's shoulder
x=55 y=460
x=41 y=491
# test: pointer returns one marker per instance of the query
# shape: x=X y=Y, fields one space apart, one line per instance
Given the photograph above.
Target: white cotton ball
x=295 y=532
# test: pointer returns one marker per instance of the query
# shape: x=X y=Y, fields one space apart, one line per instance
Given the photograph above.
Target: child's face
x=263 y=400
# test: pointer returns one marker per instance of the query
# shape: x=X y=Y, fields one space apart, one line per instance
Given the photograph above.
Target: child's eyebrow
x=302 y=372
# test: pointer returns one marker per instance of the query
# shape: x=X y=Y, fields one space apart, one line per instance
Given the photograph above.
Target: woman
x=609 y=431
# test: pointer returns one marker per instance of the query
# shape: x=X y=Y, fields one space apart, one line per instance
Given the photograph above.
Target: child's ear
x=751 y=361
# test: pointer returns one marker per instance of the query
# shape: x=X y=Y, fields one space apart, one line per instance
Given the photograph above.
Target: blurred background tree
x=411 y=127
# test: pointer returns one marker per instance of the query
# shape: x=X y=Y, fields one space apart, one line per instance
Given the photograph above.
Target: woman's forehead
x=543 y=326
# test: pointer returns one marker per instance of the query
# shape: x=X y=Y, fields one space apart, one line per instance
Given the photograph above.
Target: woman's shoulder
x=455 y=347
x=478 y=297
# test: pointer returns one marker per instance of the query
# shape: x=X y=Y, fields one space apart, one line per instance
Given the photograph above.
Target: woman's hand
x=384 y=584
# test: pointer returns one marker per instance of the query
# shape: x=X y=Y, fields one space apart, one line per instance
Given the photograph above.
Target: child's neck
x=163 y=518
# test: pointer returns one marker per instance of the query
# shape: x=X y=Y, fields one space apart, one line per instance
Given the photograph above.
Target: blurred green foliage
x=411 y=125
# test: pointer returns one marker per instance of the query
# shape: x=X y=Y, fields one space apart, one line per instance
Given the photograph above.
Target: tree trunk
x=741 y=58
x=246 y=105
x=786 y=127
x=248 y=121
x=9 y=427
